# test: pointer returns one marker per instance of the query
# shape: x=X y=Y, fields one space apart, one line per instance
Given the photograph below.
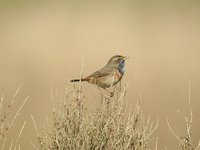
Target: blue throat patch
x=121 y=68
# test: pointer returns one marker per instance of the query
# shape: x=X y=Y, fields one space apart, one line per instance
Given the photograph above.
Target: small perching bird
x=109 y=75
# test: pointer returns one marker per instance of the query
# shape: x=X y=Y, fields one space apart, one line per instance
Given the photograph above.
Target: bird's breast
x=118 y=75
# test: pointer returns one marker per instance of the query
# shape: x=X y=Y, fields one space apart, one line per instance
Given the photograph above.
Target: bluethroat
x=109 y=75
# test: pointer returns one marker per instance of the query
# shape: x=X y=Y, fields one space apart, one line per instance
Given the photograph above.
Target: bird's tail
x=77 y=80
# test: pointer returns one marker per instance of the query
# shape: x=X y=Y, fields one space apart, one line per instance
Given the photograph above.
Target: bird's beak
x=125 y=58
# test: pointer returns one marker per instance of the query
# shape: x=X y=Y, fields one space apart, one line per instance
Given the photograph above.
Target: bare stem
x=17 y=113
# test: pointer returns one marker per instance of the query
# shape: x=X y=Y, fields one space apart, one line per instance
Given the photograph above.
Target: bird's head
x=117 y=61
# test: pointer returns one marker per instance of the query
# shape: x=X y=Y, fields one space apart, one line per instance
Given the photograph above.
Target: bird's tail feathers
x=78 y=80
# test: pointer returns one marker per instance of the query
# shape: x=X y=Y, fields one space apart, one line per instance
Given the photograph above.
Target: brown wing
x=102 y=72
x=98 y=74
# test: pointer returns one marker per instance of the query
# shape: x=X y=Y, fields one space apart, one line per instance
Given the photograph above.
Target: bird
x=109 y=75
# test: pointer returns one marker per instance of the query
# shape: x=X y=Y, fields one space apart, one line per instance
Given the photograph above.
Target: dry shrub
x=112 y=126
x=7 y=122
x=186 y=142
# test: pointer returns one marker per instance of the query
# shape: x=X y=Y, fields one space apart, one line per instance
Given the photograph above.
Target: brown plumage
x=109 y=75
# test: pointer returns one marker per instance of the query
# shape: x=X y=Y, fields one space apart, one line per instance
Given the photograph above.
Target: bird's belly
x=109 y=81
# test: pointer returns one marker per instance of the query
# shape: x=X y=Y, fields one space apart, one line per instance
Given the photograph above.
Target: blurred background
x=42 y=42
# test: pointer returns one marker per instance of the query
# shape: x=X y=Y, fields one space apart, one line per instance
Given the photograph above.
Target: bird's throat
x=121 y=68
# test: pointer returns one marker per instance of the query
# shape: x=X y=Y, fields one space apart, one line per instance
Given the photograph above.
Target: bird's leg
x=105 y=99
x=114 y=89
x=111 y=94
x=104 y=96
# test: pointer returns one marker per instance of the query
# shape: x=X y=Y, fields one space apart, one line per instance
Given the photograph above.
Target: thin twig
x=1 y=103
x=190 y=106
x=35 y=126
x=198 y=146
x=20 y=134
x=3 y=144
x=15 y=94
x=14 y=118
x=34 y=146
x=156 y=148
x=170 y=128
x=11 y=144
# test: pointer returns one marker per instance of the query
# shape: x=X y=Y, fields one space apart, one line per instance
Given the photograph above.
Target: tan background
x=42 y=42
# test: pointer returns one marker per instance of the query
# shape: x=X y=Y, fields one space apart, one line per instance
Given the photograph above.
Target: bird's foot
x=111 y=94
